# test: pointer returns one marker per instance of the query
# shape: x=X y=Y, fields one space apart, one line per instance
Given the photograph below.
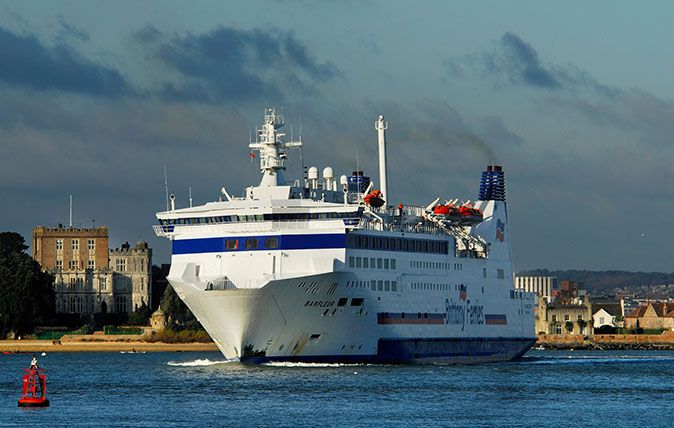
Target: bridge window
x=251 y=244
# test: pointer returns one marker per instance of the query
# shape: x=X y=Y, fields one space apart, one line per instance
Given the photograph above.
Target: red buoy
x=34 y=387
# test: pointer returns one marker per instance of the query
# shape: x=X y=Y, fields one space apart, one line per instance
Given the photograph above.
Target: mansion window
x=59 y=264
x=121 y=265
x=91 y=244
x=75 y=244
x=59 y=244
x=90 y=264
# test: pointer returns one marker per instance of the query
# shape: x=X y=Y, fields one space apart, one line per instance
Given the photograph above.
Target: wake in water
x=198 y=363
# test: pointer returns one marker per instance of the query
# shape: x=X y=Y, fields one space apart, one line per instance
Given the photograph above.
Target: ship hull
x=316 y=319
x=422 y=351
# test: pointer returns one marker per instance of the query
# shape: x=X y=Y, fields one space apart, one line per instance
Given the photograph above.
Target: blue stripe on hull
x=409 y=351
x=285 y=242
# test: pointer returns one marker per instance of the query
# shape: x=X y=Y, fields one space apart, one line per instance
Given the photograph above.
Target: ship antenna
x=71 y=211
x=166 y=187
x=190 y=196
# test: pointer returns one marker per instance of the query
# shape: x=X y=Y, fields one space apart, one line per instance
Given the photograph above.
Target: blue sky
x=576 y=100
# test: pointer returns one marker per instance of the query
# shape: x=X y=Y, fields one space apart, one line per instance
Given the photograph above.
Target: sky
x=575 y=99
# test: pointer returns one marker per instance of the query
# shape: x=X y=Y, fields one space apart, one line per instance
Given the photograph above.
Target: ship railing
x=267 y=226
x=395 y=226
x=163 y=230
x=222 y=283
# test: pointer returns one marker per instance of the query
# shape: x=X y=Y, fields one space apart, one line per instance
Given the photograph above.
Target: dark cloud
x=522 y=65
x=228 y=64
x=27 y=62
x=516 y=62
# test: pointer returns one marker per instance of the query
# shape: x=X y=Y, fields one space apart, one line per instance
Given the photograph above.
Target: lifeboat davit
x=34 y=388
x=374 y=199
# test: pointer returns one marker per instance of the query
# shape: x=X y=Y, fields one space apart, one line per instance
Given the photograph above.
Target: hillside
x=599 y=282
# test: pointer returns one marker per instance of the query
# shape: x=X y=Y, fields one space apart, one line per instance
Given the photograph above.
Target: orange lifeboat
x=374 y=199
x=469 y=214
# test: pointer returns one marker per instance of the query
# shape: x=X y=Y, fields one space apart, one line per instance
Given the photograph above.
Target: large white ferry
x=326 y=270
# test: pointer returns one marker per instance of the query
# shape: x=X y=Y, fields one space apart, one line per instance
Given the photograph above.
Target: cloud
x=68 y=31
x=522 y=65
x=514 y=61
x=232 y=65
x=29 y=63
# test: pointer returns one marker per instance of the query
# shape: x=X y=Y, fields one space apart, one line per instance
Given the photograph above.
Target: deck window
x=232 y=244
x=251 y=244
x=271 y=243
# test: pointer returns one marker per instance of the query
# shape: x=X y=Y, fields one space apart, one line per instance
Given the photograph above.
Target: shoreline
x=19 y=346
x=608 y=342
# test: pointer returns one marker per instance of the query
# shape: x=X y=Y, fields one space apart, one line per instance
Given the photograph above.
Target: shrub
x=183 y=336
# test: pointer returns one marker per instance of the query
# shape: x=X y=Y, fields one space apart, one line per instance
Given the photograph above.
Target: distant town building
x=608 y=314
x=652 y=315
x=132 y=277
x=88 y=277
x=544 y=286
x=569 y=312
x=71 y=248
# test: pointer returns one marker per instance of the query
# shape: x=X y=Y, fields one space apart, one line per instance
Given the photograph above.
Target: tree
x=26 y=293
x=177 y=313
x=568 y=326
x=141 y=316
x=581 y=325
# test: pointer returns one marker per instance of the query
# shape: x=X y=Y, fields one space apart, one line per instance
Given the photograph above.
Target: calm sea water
x=546 y=388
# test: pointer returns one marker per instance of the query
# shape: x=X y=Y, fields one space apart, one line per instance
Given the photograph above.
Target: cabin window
x=386 y=265
x=372 y=263
x=232 y=244
x=373 y=285
x=271 y=243
x=393 y=263
x=351 y=263
x=357 y=301
x=366 y=264
x=359 y=262
x=500 y=273
x=342 y=301
x=380 y=285
x=251 y=244
x=379 y=264
x=387 y=285
x=394 y=285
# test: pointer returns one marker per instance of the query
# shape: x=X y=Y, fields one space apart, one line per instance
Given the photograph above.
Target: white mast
x=71 y=211
x=271 y=147
x=380 y=125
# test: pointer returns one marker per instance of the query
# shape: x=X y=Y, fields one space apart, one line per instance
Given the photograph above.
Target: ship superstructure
x=326 y=269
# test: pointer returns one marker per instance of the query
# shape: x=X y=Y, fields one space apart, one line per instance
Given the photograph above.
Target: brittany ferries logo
x=500 y=230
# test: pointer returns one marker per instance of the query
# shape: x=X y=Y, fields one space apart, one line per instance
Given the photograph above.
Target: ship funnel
x=492 y=184
x=380 y=125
